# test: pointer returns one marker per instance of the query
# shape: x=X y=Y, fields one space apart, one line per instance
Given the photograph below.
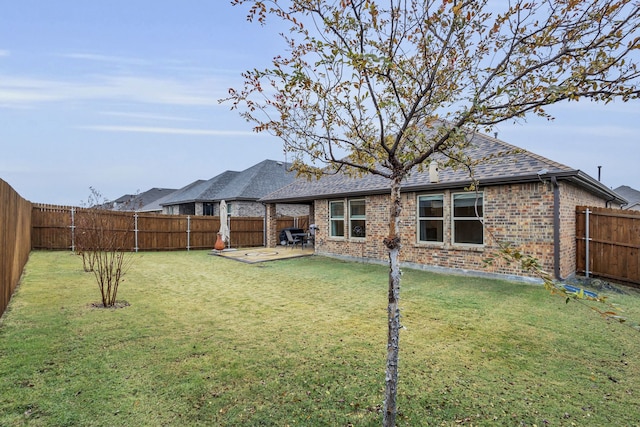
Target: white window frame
x=353 y=217
x=333 y=219
x=480 y=219
x=440 y=197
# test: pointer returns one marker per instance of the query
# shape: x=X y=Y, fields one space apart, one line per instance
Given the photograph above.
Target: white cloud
x=4 y=52
x=147 y=116
x=104 y=58
x=24 y=91
x=169 y=130
x=605 y=131
x=163 y=91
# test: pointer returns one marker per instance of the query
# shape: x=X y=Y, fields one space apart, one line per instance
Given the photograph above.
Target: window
x=467 y=225
x=336 y=219
x=357 y=218
x=207 y=209
x=431 y=218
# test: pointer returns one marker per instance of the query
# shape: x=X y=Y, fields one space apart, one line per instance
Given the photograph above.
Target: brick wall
x=292 y=210
x=570 y=197
x=520 y=213
x=272 y=226
x=244 y=208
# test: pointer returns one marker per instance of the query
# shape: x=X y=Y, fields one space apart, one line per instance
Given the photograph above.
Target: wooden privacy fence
x=25 y=226
x=15 y=240
x=58 y=227
x=608 y=243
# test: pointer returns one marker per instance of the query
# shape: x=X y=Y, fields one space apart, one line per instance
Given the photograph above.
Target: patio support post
x=264 y=226
x=272 y=226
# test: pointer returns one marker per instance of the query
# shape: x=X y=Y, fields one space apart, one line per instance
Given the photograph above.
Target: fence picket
x=15 y=240
x=150 y=232
x=25 y=226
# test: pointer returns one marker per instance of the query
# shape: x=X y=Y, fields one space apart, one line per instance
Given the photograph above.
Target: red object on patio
x=219 y=245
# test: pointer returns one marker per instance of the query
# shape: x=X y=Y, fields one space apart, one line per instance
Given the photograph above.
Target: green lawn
x=211 y=341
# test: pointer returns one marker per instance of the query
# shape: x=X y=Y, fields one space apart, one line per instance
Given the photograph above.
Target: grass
x=210 y=341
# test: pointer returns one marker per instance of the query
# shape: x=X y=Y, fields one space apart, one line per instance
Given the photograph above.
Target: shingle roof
x=250 y=184
x=156 y=205
x=185 y=193
x=131 y=202
x=510 y=164
x=632 y=195
x=258 y=181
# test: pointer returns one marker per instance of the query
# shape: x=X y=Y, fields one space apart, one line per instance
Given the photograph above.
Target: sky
x=122 y=96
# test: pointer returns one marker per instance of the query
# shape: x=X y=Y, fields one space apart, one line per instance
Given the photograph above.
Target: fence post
x=135 y=230
x=188 y=232
x=73 y=229
x=586 y=242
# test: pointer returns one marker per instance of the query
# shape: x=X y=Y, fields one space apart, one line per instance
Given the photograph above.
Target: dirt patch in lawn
x=118 y=304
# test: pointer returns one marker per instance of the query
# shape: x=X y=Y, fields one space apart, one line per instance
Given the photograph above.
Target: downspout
x=556 y=228
x=607 y=204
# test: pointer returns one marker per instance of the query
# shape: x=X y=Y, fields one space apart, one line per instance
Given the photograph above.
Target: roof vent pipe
x=433 y=173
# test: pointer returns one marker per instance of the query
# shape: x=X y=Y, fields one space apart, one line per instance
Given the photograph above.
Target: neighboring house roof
x=632 y=195
x=250 y=184
x=506 y=164
x=156 y=205
x=199 y=190
x=131 y=202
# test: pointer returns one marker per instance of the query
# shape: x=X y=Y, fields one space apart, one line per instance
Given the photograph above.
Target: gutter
x=594 y=186
x=376 y=190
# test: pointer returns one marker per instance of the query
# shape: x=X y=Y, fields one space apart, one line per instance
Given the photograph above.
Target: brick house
x=522 y=198
x=240 y=190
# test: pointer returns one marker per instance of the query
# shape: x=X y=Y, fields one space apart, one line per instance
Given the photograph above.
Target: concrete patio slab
x=255 y=255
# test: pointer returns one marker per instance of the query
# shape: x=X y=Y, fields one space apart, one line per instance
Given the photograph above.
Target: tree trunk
x=392 y=242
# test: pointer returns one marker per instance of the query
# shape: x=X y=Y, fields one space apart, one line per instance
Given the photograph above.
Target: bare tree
x=103 y=247
x=379 y=87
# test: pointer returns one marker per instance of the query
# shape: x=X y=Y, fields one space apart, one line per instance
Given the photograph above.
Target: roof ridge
x=218 y=180
x=525 y=152
x=256 y=171
x=256 y=168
